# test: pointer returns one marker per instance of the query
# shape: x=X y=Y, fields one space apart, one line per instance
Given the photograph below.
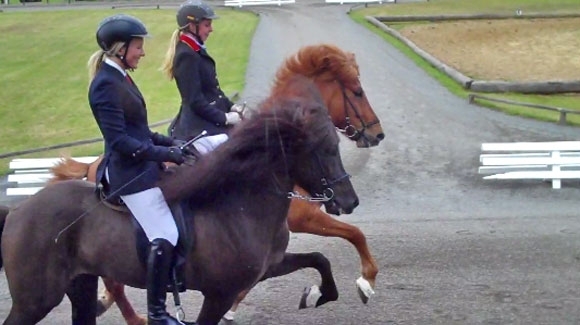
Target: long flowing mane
x=319 y=61
x=264 y=144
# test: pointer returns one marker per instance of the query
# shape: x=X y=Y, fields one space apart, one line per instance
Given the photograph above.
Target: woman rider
x=204 y=106
x=134 y=154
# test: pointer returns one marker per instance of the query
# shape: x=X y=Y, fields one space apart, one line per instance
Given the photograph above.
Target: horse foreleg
x=307 y=217
x=213 y=309
x=82 y=295
x=116 y=291
x=315 y=295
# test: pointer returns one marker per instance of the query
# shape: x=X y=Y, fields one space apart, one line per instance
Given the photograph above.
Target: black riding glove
x=174 y=155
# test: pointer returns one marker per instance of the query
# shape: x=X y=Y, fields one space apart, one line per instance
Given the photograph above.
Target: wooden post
x=562 y=120
x=471 y=98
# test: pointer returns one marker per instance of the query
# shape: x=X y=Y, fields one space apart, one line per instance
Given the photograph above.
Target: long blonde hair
x=98 y=57
x=167 y=66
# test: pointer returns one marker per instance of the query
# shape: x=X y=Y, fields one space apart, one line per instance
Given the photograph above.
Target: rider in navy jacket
x=133 y=153
x=204 y=106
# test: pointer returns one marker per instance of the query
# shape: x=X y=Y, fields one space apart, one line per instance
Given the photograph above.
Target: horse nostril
x=381 y=136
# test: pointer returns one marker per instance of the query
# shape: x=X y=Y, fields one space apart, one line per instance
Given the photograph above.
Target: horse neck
x=258 y=211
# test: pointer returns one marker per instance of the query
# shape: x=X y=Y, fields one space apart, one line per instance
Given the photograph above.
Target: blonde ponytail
x=167 y=66
x=98 y=57
x=95 y=63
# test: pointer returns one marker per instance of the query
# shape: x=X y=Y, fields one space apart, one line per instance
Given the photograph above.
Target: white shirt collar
x=116 y=66
x=195 y=40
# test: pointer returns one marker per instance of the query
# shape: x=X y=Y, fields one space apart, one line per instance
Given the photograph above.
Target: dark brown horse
x=336 y=75
x=58 y=241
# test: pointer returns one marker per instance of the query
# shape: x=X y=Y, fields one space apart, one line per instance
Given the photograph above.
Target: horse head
x=319 y=169
x=336 y=75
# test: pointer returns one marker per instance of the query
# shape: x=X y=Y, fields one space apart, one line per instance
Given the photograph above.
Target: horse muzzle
x=339 y=206
x=366 y=139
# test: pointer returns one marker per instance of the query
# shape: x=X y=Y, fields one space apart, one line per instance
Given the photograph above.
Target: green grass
x=434 y=7
x=44 y=78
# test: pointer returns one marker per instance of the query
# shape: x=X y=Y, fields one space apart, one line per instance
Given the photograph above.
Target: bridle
x=350 y=130
x=327 y=193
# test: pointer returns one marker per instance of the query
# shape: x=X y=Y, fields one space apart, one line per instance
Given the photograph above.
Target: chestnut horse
x=57 y=242
x=336 y=74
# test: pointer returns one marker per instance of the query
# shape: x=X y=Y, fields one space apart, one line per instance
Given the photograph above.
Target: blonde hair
x=96 y=59
x=167 y=66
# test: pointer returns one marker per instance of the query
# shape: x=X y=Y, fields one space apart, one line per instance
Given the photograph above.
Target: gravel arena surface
x=451 y=247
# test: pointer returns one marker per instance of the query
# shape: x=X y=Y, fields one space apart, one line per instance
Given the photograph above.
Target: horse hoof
x=365 y=290
x=229 y=315
x=309 y=297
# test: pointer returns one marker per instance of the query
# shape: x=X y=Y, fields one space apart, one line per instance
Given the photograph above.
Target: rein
x=350 y=130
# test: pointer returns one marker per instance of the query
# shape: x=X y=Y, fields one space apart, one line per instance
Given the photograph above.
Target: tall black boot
x=159 y=263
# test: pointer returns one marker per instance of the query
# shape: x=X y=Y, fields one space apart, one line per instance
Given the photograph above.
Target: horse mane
x=268 y=140
x=319 y=61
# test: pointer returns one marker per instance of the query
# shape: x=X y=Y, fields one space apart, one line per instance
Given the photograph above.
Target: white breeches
x=209 y=143
x=153 y=214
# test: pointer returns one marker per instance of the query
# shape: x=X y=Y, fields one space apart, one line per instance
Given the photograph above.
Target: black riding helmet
x=194 y=11
x=119 y=28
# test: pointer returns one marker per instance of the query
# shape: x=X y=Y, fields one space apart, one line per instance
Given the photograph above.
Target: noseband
x=350 y=130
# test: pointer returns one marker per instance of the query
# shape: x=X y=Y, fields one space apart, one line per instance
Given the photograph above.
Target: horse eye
x=358 y=93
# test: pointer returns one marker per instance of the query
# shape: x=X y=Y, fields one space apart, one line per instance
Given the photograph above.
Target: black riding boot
x=159 y=263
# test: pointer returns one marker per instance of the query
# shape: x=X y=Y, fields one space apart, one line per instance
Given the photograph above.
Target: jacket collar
x=191 y=41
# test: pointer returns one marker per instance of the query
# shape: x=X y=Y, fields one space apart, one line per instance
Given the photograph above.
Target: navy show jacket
x=133 y=153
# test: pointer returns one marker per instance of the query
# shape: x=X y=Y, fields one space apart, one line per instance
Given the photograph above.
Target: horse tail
x=3 y=213
x=69 y=168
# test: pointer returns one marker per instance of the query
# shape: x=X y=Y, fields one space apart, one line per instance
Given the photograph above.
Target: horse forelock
x=324 y=61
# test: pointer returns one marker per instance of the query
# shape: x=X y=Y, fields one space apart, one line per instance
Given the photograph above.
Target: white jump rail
x=359 y=1
x=552 y=161
x=241 y=3
x=29 y=175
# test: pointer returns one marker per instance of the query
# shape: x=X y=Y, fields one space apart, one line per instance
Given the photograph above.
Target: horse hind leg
x=115 y=292
x=30 y=305
x=314 y=296
x=305 y=217
x=229 y=316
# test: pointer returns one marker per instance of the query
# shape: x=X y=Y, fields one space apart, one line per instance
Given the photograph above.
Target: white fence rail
x=241 y=3
x=553 y=161
x=29 y=175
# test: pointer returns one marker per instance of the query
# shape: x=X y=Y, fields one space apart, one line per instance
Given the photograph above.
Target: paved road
x=452 y=248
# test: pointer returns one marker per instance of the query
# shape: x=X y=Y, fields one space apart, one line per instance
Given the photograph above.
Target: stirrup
x=179 y=313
